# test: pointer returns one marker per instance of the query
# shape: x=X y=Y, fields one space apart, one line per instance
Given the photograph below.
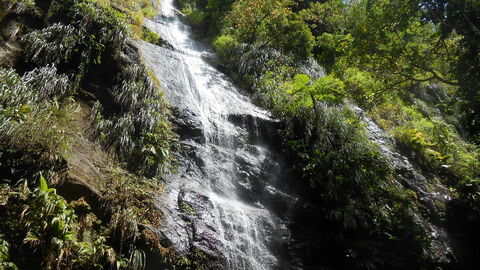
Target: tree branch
x=437 y=76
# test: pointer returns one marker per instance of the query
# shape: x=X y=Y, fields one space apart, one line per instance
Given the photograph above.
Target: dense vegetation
x=60 y=60
x=411 y=65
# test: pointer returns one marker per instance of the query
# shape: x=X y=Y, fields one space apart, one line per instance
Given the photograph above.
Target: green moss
x=187 y=209
x=135 y=11
x=150 y=36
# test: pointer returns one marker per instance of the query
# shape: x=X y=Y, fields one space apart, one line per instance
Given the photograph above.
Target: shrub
x=53 y=44
x=35 y=117
x=299 y=96
x=16 y=6
x=196 y=17
x=32 y=126
x=4 y=256
x=330 y=47
x=78 y=34
x=270 y=23
x=131 y=192
x=224 y=45
x=140 y=133
x=295 y=38
x=51 y=224
x=343 y=171
x=65 y=239
x=436 y=143
x=361 y=86
x=107 y=23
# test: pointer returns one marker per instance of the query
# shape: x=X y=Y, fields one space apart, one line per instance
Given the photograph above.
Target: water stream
x=227 y=200
x=215 y=203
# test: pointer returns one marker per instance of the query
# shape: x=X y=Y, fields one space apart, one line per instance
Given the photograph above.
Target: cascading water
x=226 y=201
x=214 y=204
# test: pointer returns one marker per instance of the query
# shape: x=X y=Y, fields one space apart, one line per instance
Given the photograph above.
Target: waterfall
x=230 y=198
x=216 y=202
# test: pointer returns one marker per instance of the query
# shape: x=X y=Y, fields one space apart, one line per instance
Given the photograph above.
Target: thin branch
x=387 y=88
x=254 y=33
x=437 y=76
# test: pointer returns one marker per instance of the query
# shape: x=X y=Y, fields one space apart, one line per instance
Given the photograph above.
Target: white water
x=226 y=161
x=209 y=181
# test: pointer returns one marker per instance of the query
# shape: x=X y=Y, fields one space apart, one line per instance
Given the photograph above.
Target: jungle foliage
x=63 y=42
x=69 y=51
x=411 y=65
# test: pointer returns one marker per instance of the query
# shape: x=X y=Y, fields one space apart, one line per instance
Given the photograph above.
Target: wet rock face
x=10 y=48
x=264 y=131
x=187 y=125
x=203 y=222
x=226 y=201
x=231 y=200
x=196 y=210
x=431 y=193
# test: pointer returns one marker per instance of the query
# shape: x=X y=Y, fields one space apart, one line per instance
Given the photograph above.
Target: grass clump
x=15 y=6
x=76 y=35
x=133 y=194
x=34 y=129
x=140 y=133
x=53 y=44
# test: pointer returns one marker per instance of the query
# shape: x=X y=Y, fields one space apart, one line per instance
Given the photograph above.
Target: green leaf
x=300 y=80
x=43 y=184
